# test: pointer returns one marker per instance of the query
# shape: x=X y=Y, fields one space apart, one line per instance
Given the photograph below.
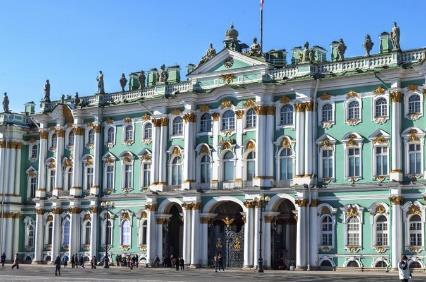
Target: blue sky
x=68 y=42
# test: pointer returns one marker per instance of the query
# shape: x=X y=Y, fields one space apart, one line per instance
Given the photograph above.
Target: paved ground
x=45 y=273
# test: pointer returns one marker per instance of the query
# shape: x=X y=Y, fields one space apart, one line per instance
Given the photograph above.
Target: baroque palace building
x=317 y=162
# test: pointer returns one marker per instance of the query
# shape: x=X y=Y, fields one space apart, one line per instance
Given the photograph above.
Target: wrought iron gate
x=230 y=244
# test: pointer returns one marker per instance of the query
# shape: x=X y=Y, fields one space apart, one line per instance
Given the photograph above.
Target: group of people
x=218 y=262
x=15 y=260
x=127 y=261
x=172 y=261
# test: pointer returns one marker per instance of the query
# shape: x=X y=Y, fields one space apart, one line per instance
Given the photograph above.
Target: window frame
x=228 y=123
x=291 y=115
x=353 y=120
x=204 y=123
x=250 y=121
x=177 y=126
x=291 y=158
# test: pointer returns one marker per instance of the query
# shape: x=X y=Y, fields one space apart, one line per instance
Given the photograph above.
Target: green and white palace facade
x=314 y=163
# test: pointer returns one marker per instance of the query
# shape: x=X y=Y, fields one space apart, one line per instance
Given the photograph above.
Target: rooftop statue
x=163 y=76
x=6 y=103
x=305 y=55
x=76 y=99
x=255 y=49
x=123 y=82
x=210 y=53
x=341 y=49
x=395 y=37
x=231 y=39
x=101 y=86
x=368 y=45
x=47 y=91
x=141 y=79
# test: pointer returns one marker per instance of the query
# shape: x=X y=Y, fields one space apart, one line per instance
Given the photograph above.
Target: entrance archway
x=226 y=234
x=283 y=236
x=173 y=233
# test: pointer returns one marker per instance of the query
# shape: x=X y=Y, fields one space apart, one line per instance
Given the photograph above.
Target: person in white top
x=403 y=269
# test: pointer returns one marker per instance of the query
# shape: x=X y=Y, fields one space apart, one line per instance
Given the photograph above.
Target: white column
x=163 y=154
x=269 y=144
x=396 y=172
x=195 y=236
x=97 y=164
x=39 y=238
x=247 y=262
x=300 y=144
x=75 y=229
x=56 y=241
x=309 y=126
x=2 y=168
x=159 y=237
x=94 y=231
x=313 y=235
x=239 y=166
x=215 y=152
x=260 y=168
x=9 y=238
x=189 y=148
x=204 y=241
x=77 y=154
x=17 y=190
x=256 y=234
x=267 y=243
x=59 y=153
x=155 y=161
x=396 y=230
x=12 y=165
x=301 y=235
x=151 y=233
x=16 y=226
x=186 y=245
x=41 y=181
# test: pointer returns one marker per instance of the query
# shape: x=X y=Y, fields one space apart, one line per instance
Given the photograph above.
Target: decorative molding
x=44 y=134
x=351 y=211
x=127 y=120
x=300 y=107
x=284 y=100
x=239 y=114
x=151 y=207
x=396 y=96
x=228 y=78
x=286 y=143
x=325 y=97
x=204 y=108
x=412 y=87
x=309 y=106
x=78 y=131
x=250 y=145
x=225 y=104
x=396 y=200
x=176 y=112
x=250 y=103
x=379 y=90
x=146 y=117
x=352 y=94
x=301 y=202
x=413 y=209
x=56 y=210
x=164 y=121
x=74 y=210
x=189 y=117
x=265 y=110
x=215 y=116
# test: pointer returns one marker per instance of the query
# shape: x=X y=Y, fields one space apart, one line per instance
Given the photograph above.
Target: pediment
x=227 y=61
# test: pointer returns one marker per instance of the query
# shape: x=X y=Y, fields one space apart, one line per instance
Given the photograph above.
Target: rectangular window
x=128 y=176
x=354 y=159
x=89 y=177
x=381 y=161
x=33 y=186
x=109 y=177
x=250 y=170
x=146 y=174
x=327 y=163
x=414 y=157
x=51 y=179
x=34 y=151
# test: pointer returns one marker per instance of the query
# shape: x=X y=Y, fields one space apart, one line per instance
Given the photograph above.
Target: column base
x=94 y=191
x=396 y=176
x=37 y=262
x=159 y=187
x=75 y=191
x=187 y=185
x=56 y=192
x=265 y=181
x=195 y=266
x=302 y=180
x=300 y=268
x=40 y=193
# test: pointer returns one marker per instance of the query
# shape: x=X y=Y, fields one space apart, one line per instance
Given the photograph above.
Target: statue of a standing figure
x=47 y=92
x=305 y=53
x=341 y=49
x=255 y=49
x=210 y=53
x=123 y=82
x=163 y=74
x=101 y=86
x=76 y=99
x=395 y=37
x=141 y=79
x=6 y=103
x=368 y=45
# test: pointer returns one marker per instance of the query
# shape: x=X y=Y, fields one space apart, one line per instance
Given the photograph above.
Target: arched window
x=66 y=232
x=109 y=176
x=29 y=242
x=327 y=231
x=51 y=179
x=177 y=126
x=286 y=164
x=352 y=263
x=68 y=179
x=88 y=181
x=228 y=166
x=327 y=113
x=250 y=119
x=353 y=238
x=228 y=120
x=87 y=231
x=110 y=135
x=91 y=137
x=108 y=232
x=71 y=138
x=415 y=231
x=125 y=233
x=146 y=174
x=128 y=175
x=147 y=132
x=250 y=166
x=54 y=140
x=205 y=169
x=381 y=108
x=353 y=110
x=49 y=232
x=143 y=232
x=326 y=263
x=354 y=162
x=381 y=160
x=414 y=159
x=286 y=115
x=128 y=133
x=414 y=104
x=206 y=123
x=415 y=264
x=381 y=231
x=177 y=171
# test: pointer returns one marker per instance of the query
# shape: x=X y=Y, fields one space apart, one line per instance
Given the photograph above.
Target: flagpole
x=261 y=25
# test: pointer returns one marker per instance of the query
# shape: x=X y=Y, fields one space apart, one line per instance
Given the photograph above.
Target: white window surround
x=142 y=176
x=406 y=218
x=380 y=119
x=245 y=119
x=132 y=140
x=352 y=259
x=331 y=212
x=413 y=135
x=350 y=141
x=278 y=106
x=230 y=183
x=51 y=140
x=321 y=104
x=68 y=131
x=108 y=160
x=379 y=259
x=374 y=214
x=31 y=173
x=29 y=222
x=46 y=231
x=407 y=96
x=327 y=258
x=284 y=142
x=171 y=120
x=83 y=228
x=142 y=223
x=379 y=138
x=326 y=142
x=147 y=140
x=346 y=104
x=87 y=164
x=199 y=132
x=221 y=112
x=202 y=150
x=245 y=155
x=127 y=158
x=30 y=149
x=358 y=213
x=123 y=218
x=106 y=129
x=50 y=185
x=103 y=228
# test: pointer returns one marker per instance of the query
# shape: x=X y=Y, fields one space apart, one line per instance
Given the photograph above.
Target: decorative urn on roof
x=231 y=39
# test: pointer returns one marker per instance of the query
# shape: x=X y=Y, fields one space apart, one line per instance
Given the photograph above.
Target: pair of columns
x=396 y=173
x=10 y=167
x=159 y=153
x=9 y=232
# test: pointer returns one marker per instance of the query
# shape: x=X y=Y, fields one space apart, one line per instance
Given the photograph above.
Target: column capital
x=309 y=106
x=57 y=210
x=396 y=200
x=239 y=114
x=265 y=110
x=164 y=121
x=189 y=117
x=315 y=202
x=93 y=209
x=60 y=132
x=396 y=96
x=39 y=211
x=74 y=210
x=43 y=134
x=78 y=131
x=300 y=107
x=301 y=202
x=215 y=116
x=151 y=207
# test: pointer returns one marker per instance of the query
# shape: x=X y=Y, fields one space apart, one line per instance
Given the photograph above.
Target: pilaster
x=75 y=227
x=301 y=243
x=396 y=200
x=97 y=164
x=39 y=233
x=59 y=153
x=77 y=154
x=151 y=208
x=162 y=171
x=156 y=134
x=300 y=144
x=41 y=181
x=239 y=166
x=396 y=99
x=94 y=229
x=195 y=236
x=215 y=152
x=56 y=241
x=189 y=119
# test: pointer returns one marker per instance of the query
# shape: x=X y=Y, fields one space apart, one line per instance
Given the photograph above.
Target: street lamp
x=262 y=203
x=106 y=205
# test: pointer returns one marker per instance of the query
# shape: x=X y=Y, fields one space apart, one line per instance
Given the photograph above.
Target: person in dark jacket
x=81 y=260
x=72 y=261
x=3 y=259
x=58 y=266
x=220 y=261
x=177 y=264
x=93 y=262
x=16 y=262
x=182 y=264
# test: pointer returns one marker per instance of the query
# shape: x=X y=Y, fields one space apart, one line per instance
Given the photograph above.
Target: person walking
x=58 y=266
x=403 y=269
x=81 y=260
x=182 y=264
x=72 y=261
x=65 y=261
x=93 y=262
x=220 y=261
x=3 y=259
x=216 y=263
x=16 y=262
x=177 y=264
